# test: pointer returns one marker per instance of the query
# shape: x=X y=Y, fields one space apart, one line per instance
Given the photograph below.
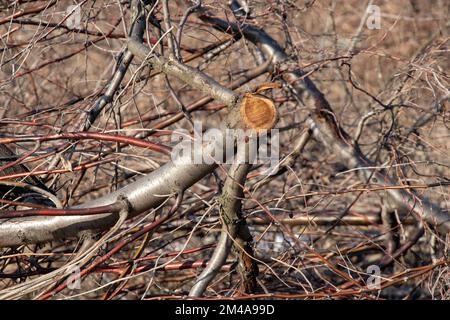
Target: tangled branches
x=97 y=97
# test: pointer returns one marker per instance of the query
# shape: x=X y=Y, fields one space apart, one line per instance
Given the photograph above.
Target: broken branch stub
x=258 y=112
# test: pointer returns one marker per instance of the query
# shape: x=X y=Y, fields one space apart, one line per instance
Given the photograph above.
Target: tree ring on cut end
x=258 y=112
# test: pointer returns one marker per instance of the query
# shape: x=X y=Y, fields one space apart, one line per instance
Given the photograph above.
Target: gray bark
x=326 y=130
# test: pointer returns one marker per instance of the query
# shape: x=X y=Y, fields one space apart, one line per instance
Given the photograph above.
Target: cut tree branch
x=148 y=191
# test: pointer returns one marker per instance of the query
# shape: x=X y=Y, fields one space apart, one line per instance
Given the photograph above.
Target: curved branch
x=214 y=265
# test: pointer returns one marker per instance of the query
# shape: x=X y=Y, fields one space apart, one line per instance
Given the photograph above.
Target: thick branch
x=145 y=193
x=189 y=75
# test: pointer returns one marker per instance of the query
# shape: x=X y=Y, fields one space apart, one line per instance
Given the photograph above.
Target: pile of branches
x=94 y=205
